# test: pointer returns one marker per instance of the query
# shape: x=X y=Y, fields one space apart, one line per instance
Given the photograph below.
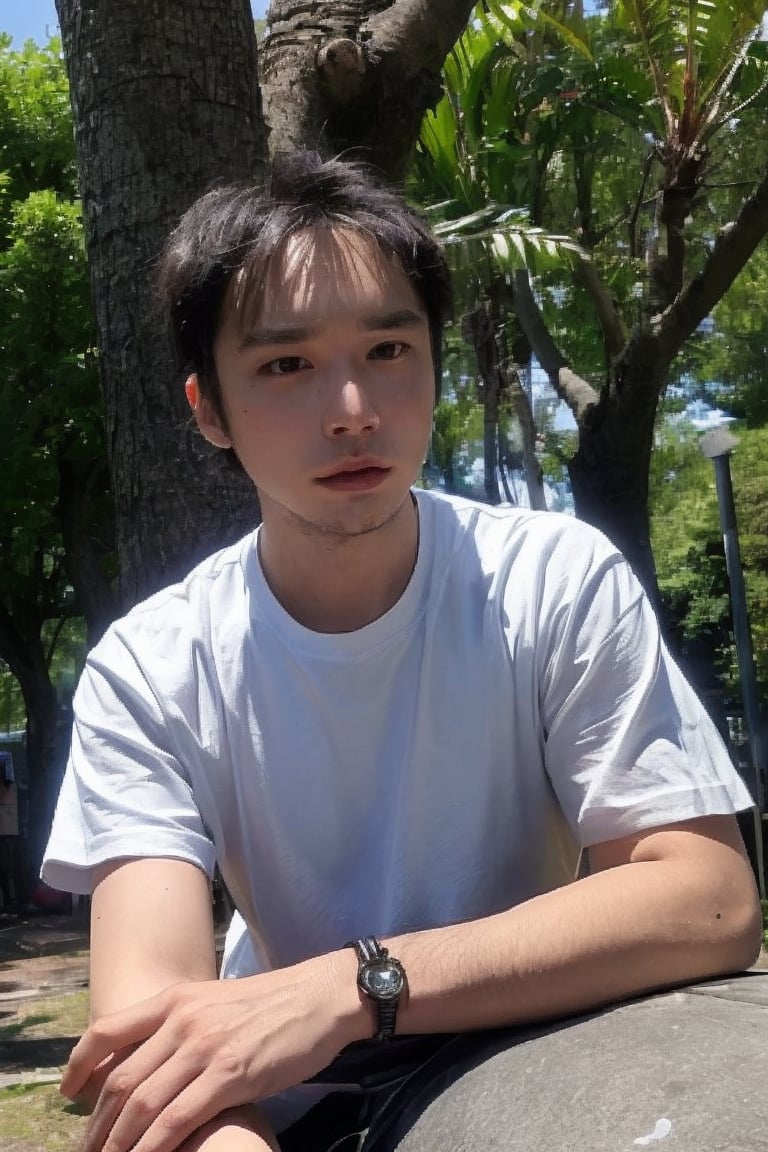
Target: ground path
x=40 y=958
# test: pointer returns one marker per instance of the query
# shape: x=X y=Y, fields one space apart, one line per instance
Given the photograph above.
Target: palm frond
x=517 y=18
x=510 y=243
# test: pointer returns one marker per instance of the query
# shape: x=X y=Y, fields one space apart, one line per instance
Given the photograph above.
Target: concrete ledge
x=685 y=1071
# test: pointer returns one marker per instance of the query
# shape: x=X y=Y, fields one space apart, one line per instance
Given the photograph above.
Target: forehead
x=323 y=277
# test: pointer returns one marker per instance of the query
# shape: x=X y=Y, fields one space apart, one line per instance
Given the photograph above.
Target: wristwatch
x=382 y=979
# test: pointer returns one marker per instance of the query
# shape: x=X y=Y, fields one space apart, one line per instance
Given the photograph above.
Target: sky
x=37 y=20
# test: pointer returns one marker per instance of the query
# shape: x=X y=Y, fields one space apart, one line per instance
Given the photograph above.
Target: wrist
x=355 y=1013
x=381 y=980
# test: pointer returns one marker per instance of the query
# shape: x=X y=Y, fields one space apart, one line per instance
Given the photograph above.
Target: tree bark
x=356 y=76
x=166 y=103
x=609 y=471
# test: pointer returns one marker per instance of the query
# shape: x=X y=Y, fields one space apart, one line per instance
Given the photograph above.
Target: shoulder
x=160 y=635
x=545 y=547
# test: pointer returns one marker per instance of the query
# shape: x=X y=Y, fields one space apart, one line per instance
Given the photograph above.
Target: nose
x=350 y=411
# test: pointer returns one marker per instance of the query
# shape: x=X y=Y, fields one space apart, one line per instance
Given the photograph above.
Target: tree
x=464 y=169
x=674 y=78
x=55 y=526
x=167 y=102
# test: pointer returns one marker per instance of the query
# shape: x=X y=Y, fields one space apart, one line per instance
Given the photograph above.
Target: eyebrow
x=295 y=334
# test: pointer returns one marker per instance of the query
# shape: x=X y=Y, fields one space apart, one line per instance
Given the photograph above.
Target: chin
x=352 y=523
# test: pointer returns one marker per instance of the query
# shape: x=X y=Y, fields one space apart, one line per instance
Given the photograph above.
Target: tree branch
x=578 y=394
x=734 y=245
x=356 y=76
x=420 y=33
x=614 y=334
x=639 y=203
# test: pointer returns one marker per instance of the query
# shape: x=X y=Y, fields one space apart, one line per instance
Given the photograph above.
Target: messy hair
x=237 y=230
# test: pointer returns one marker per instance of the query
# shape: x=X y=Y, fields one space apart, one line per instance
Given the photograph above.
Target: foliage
x=36 y=142
x=687 y=542
x=52 y=455
x=48 y=393
x=638 y=133
x=735 y=353
x=12 y=710
x=472 y=176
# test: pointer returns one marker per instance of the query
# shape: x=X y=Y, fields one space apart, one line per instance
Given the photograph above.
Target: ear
x=206 y=417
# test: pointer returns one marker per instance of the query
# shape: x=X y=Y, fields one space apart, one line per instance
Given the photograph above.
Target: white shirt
x=440 y=764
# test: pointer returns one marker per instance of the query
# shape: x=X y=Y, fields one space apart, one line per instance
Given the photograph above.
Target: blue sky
x=36 y=19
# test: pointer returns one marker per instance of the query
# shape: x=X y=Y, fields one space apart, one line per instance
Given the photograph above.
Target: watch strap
x=370 y=951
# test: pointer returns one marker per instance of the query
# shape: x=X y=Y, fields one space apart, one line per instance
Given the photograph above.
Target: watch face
x=382 y=980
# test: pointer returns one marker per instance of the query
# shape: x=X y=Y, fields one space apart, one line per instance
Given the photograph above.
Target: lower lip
x=362 y=481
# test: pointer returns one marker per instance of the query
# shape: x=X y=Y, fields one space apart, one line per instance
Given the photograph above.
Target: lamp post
x=717 y=445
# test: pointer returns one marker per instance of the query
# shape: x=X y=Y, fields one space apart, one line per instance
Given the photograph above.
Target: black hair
x=238 y=229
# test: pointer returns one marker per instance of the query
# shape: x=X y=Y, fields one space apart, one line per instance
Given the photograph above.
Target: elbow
x=748 y=942
x=738 y=941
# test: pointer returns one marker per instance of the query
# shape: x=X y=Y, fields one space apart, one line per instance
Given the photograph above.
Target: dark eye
x=285 y=366
x=389 y=350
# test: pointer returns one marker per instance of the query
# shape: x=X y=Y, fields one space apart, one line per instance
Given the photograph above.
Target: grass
x=64 y=1015
x=35 y=1117
x=39 y=1119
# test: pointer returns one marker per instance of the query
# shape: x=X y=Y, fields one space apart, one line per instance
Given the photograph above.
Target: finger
x=108 y=1035
x=202 y=1099
x=89 y=1094
x=132 y=1076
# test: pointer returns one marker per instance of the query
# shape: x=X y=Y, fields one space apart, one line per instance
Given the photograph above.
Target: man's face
x=327 y=387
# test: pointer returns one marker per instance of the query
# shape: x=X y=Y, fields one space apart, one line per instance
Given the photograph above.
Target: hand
x=212 y=1045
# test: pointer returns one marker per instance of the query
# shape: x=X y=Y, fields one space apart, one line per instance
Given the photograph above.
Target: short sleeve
x=125 y=793
x=628 y=744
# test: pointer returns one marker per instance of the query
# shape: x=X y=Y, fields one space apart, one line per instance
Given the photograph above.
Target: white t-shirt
x=443 y=763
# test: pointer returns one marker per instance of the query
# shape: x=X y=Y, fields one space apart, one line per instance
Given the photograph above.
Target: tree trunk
x=534 y=478
x=166 y=103
x=610 y=469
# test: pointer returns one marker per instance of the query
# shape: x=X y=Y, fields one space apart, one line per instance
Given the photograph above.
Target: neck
x=335 y=583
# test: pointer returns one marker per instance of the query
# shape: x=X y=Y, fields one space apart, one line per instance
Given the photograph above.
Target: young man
x=392 y=718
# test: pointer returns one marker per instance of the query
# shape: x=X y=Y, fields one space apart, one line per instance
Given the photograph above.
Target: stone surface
x=686 y=1071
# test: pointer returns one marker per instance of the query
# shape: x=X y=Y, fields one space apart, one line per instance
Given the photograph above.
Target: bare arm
x=152 y=928
x=665 y=907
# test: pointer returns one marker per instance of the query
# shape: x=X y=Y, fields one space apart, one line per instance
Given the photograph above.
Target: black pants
x=397 y=1080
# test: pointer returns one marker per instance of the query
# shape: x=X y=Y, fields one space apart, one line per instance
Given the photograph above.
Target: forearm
x=612 y=935
x=683 y=908
x=237 y=1130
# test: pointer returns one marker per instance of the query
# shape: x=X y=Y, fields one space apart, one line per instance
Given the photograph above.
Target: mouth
x=355 y=475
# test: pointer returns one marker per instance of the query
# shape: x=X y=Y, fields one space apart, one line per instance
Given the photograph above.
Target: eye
x=389 y=350
x=284 y=366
